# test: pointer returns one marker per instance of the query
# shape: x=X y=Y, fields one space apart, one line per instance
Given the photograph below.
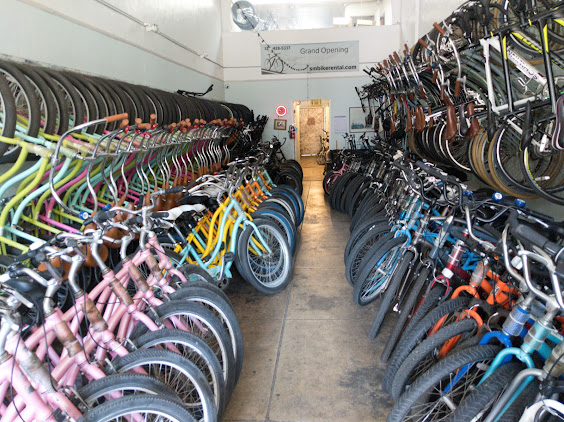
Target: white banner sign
x=309 y=58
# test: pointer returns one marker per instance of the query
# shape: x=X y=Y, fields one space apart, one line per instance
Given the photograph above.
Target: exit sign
x=316 y=102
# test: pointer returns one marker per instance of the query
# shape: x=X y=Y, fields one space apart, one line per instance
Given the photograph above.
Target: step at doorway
x=312 y=118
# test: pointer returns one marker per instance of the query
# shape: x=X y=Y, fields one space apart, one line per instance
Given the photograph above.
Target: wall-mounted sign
x=309 y=58
x=316 y=102
x=281 y=111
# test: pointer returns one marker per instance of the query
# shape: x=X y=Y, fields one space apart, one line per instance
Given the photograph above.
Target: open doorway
x=312 y=119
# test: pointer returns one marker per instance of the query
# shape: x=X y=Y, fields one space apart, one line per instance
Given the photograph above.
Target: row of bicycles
x=481 y=93
x=469 y=283
x=118 y=239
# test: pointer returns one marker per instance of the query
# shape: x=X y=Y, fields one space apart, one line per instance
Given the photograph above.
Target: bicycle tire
x=25 y=91
x=290 y=177
x=281 y=222
x=484 y=396
x=196 y=351
x=290 y=191
x=360 y=251
x=405 y=312
x=369 y=212
x=349 y=191
x=8 y=108
x=532 y=179
x=412 y=337
x=376 y=260
x=45 y=97
x=223 y=310
x=361 y=230
x=400 y=272
x=95 y=390
x=216 y=336
x=441 y=371
x=404 y=376
x=359 y=196
x=190 y=375
x=245 y=266
x=60 y=102
x=124 y=406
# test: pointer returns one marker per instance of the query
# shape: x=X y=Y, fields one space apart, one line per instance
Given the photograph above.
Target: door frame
x=326 y=123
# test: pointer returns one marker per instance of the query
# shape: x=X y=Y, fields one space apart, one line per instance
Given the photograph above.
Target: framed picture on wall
x=279 y=124
x=360 y=120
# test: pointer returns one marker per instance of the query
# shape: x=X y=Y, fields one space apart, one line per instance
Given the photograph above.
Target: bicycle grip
x=135 y=220
x=457 y=88
x=451 y=126
x=103 y=216
x=422 y=91
x=396 y=56
x=423 y=43
x=153 y=119
x=159 y=214
x=406 y=48
x=439 y=28
x=169 y=191
x=116 y=117
x=435 y=76
x=528 y=235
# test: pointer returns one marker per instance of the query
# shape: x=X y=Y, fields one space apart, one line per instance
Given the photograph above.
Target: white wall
x=417 y=16
x=241 y=50
x=264 y=96
x=245 y=84
x=28 y=32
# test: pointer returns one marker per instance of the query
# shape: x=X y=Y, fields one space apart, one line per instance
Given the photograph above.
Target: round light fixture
x=281 y=111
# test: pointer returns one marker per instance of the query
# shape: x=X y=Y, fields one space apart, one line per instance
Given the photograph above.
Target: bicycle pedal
x=229 y=257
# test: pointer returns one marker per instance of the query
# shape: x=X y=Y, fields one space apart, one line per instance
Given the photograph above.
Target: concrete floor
x=307 y=353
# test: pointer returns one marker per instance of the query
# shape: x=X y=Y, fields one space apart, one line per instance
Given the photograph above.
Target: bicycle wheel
x=7 y=113
x=193 y=349
x=286 y=226
x=444 y=386
x=47 y=106
x=139 y=406
x=479 y=401
x=356 y=259
x=405 y=313
x=412 y=337
x=27 y=106
x=223 y=310
x=290 y=177
x=270 y=272
x=376 y=209
x=379 y=267
x=360 y=231
x=201 y=322
x=426 y=355
x=104 y=389
x=555 y=191
x=177 y=372
x=62 y=111
x=290 y=191
x=400 y=272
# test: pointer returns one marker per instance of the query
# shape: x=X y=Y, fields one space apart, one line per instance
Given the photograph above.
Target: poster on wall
x=360 y=120
x=309 y=58
x=340 y=124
